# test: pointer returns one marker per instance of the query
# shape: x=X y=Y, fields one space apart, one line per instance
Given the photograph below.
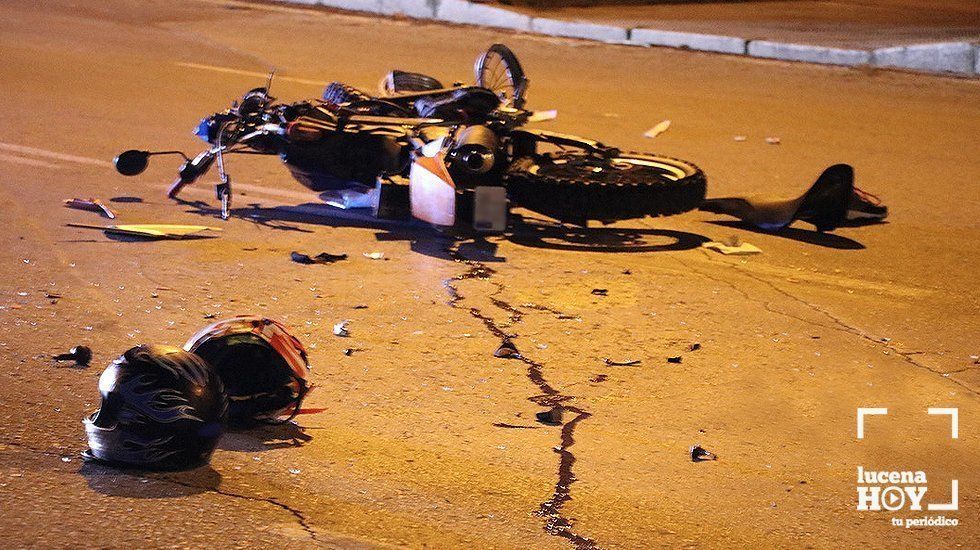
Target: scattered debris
x=700 y=454
x=694 y=347
x=350 y=351
x=321 y=258
x=210 y=315
x=507 y=350
x=773 y=140
x=340 y=329
x=81 y=355
x=599 y=378
x=551 y=417
x=743 y=249
x=624 y=363
x=543 y=116
x=359 y=306
x=675 y=359
x=657 y=130
x=600 y=292
x=152 y=231
x=374 y=255
x=741 y=138
x=627 y=272
x=92 y=205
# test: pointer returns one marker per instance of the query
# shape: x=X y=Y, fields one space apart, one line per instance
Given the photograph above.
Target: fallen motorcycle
x=450 y=155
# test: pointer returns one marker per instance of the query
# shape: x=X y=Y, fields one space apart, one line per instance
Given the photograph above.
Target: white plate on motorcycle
x=431 y=191
x=542 y=116
x=490 y=209
x=433 y=147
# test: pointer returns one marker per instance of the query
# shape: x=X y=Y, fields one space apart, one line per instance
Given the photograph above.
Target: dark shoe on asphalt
x=824 y=204
x=864 y=208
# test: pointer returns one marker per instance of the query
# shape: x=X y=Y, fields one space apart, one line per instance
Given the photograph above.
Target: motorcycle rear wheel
x=575 y=186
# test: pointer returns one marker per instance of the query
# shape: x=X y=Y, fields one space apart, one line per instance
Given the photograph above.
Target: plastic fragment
x=551 y=417
x=657 y=130
x=700 y=454
x=340 y=329
x=81 y=355
x=507 y=350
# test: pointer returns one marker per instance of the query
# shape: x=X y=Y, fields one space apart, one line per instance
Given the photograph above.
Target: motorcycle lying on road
x=449 y=155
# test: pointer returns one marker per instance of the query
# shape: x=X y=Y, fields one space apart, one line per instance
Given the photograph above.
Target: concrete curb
x=690 y=40
x=960 y=58
x=571 y=29
x=810 y=54
x=461 y=11
x=955 y=57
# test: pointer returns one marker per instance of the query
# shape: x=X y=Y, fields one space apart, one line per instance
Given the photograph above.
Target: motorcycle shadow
x=538 y=233
x=528 y=231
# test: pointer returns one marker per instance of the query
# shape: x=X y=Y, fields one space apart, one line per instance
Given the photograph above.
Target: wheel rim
x=663 y=169
x=495 y=75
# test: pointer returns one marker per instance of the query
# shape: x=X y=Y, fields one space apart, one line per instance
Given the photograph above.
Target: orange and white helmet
x=262 y=366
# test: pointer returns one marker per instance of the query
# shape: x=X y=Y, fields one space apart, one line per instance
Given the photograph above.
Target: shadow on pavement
x=134 y=483
x=255 y=439
x=828 y=240
x=539 y=234
x=424 y=239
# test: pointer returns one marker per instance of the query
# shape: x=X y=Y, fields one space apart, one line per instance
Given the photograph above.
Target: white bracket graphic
x=954 y=498
x=862 y=411
x=954 y=421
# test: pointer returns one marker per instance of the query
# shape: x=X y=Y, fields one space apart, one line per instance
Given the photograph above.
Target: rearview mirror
x=132 y=162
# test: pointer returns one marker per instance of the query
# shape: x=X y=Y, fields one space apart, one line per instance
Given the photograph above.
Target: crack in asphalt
x=300 y=517
x=556 y=523
x=838 y=324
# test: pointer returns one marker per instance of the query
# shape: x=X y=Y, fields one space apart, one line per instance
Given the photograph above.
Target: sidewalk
x=858 y=24
x=941 y=36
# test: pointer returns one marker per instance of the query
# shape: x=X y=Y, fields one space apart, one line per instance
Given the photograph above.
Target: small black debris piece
x=695 y=346
x=81 y=355
x=600 y=292
x=623 y=363
x=321 y=258
x=675 y=359
x=700 y=454
x=551 y=417
x=596 y=378
x=507 y=350
x=627 y=272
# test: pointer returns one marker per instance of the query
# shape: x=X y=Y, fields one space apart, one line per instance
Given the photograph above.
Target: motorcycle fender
x=432 y=193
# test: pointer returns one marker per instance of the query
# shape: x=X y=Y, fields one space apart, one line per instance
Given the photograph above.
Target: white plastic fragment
x=657 y=130
x=340 y=329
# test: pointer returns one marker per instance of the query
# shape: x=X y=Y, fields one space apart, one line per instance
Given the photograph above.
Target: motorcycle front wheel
x=576 y=186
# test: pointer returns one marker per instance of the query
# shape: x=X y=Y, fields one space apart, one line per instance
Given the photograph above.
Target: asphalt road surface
x=425 y=438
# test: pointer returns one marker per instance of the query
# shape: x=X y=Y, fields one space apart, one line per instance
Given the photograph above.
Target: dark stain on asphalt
x=556 y=523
